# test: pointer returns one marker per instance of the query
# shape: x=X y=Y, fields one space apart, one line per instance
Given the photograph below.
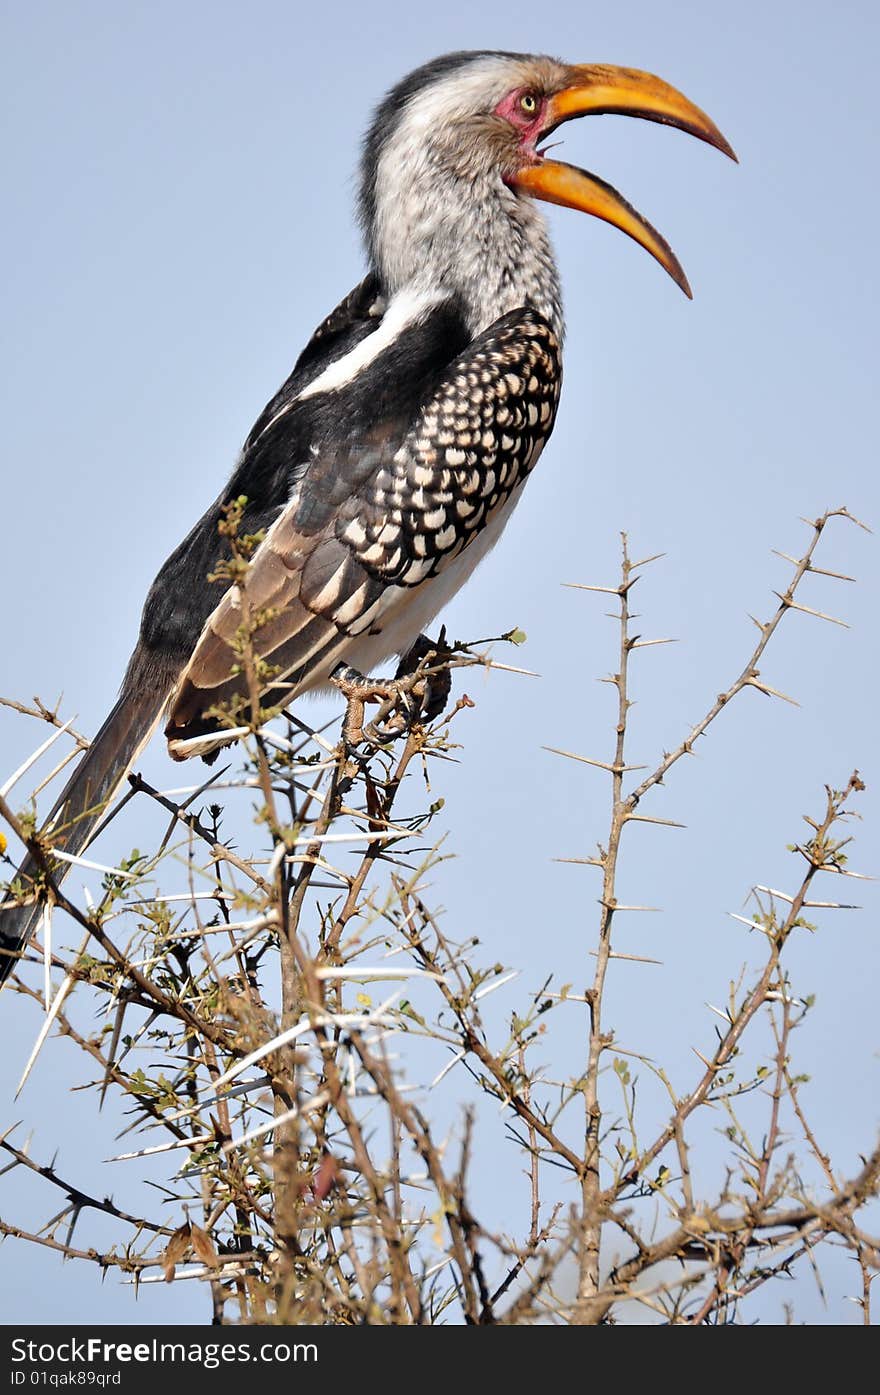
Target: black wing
x=405 y=466
x=181 y=597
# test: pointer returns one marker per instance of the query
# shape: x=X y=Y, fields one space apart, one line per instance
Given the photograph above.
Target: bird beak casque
x=599 y=88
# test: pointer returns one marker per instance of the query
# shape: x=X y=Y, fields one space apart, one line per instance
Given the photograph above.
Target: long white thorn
x=752 y=924
x=771 y=891
x=499 y=983
x=53 y=1012
x=271 y=1124
x=459 y=1056
x=32 y=759
x=340 y=1019
x=510 y=668
x=770 y=692
x=579 y=586
x=305 y=838
x=47 y=955
x=830 y=906
x=196 y=1141
x=263 y=922
x=808 y=610
x=588 y=760
x=93 y=866
x=353 y=971
x=614 y=954
x=47 y=780
x=182 y=896
x=227 y=1271
x=263 y=1082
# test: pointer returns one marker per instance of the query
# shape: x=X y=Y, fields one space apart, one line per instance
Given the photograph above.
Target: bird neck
x=488 y=248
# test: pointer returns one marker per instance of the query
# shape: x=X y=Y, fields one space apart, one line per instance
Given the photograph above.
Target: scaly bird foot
x=411 y=696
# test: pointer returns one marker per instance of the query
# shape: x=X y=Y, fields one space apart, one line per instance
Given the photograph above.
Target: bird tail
x=80 y=807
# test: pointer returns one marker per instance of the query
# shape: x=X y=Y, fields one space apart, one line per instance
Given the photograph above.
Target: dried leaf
x=203 y=1246
x=174 y=1251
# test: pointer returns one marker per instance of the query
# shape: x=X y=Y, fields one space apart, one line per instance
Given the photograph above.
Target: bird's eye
x=528 y=103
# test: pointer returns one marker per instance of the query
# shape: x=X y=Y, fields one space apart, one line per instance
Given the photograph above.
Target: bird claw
x=407 y=698
x=358 y=690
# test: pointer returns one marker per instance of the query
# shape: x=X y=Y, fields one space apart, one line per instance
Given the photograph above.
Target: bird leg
x=358 y=690
x=429 y=654
x=411 y=695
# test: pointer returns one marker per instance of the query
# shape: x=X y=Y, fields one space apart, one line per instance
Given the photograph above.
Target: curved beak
x=597 y=89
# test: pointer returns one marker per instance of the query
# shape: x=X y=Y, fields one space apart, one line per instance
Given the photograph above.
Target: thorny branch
x=282 y=1024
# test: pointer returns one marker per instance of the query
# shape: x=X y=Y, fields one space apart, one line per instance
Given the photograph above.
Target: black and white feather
x=386 y=466
x=388 y=516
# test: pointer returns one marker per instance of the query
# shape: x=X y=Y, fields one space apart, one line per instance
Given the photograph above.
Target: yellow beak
x=595 y=89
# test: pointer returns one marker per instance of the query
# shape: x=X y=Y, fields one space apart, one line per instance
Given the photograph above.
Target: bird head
x=455 y=158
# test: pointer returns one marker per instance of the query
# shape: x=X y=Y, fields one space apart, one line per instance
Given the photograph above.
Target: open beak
x=599 y=88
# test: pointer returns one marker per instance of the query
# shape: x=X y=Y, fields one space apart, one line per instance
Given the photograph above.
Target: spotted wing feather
x=475 y=441
x=373 y=521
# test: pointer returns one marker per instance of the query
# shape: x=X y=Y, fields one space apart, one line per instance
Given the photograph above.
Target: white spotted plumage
x=448 y=238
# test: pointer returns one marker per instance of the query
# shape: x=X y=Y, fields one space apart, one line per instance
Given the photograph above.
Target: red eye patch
x=523 y=108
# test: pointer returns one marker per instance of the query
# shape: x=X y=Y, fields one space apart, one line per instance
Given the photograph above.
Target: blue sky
x=180 y=185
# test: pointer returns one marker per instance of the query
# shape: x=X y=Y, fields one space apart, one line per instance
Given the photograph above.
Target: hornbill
x=387 y=465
